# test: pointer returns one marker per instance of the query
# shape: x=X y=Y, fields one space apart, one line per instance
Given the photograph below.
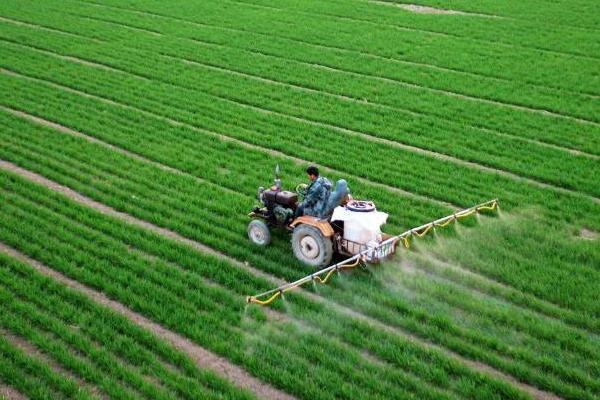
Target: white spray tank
x=362 y=222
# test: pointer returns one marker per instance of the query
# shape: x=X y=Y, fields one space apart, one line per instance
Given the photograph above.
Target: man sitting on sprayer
x=317 y=194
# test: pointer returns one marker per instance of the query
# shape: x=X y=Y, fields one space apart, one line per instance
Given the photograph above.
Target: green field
x=135 y=133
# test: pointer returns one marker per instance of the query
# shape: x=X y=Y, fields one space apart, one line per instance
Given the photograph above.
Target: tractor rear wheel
x=259 y=233
x=311 y=246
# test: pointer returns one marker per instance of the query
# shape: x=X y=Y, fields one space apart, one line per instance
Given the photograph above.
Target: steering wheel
x=301 y=190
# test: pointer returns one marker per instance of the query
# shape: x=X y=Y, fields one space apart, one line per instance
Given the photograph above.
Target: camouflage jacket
x=317 y=195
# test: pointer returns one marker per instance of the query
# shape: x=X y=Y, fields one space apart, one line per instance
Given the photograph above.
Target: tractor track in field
x=367 y=137
x=9 y=393
x=366 y=354
x=79 y=198
x=499 y=133
x=328 y=47
x=45 y=28
x=398 y=82
x=158 y=165
x=388 y=142
x=485 y=294
x=367 y=102
x=492 y=283
x=247 y=145
x=133 y=28
x=135 y=156
x=91 y=139
x=201 y=357
x=348 y=98
x=417 y=30
x=30 y=349
x=76 y=60
x=420 y=9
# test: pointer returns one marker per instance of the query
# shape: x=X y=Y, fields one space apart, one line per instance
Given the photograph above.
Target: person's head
x=313 y=172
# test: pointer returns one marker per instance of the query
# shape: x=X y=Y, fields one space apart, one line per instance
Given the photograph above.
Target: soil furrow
x=45 y=28
x=202 y=357
x=479 y=366
x=248 y=145
x=334 y=48
x=331 y=48
x=33 y=351
x=8 y=393
x=410 y=148
x=402 y=146
x=379 y=25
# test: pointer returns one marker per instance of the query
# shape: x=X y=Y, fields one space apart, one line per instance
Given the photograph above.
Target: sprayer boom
x=372 y=254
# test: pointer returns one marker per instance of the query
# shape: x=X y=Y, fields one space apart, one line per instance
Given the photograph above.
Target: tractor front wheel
x=259 y=233
x=311 y=246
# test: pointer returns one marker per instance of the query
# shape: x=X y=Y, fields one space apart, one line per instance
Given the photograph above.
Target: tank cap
x=360 y=206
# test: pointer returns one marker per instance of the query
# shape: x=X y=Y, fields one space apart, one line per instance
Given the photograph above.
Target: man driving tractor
x=317 y=194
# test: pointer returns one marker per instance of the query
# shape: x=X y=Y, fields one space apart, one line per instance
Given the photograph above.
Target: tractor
x=344 y=227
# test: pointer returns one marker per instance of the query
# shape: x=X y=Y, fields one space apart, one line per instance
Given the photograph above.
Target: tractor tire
x=311 y=247
x=259 y=233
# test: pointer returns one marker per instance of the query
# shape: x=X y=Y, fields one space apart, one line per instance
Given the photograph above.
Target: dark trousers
x=299 y=210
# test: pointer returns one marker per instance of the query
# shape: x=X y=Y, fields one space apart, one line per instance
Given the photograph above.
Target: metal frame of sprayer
x=379 y=251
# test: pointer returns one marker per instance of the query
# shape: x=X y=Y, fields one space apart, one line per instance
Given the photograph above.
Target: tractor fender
x=320 y=224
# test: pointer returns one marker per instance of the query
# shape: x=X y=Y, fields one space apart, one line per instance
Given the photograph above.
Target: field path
x=31 y=350
x=247 y=145
x=8 y=393
x=170 y=336
x=201 y=357
x=303 y=120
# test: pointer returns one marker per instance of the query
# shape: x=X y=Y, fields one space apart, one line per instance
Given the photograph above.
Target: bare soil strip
x=329 y=47
x=33 y=351
x=202 y=357
x=106 y=210
x=484 y=293
x=133 y=28
x=276 y=153
x=80 y=61
x=430 y=10
x=404 y=28
x=535 y=392
x=379 y=105
x=588 y=234
x=41 y=27
x=8 y=393
x=368 y=137
x=109 y=146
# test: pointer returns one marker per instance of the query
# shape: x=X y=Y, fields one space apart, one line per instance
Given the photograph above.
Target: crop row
x=39 y=160
x=358 y=292
x=550 y=165
x=377 y=81
x=505 y=91
x=82 y=245
x=31 y=377
x=183 y=24
x=556 y=18
x=368 y=14
x=408 y=44
x=579 y=171
x=96 y=345
x=414 y=172
x=178 y=147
